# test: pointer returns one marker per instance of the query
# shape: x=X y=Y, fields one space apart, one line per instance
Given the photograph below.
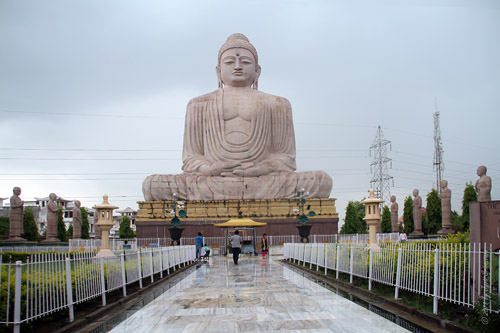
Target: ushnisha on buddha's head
x=238 y=63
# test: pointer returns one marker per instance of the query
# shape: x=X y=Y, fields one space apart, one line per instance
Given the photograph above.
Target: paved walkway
x=255 y=296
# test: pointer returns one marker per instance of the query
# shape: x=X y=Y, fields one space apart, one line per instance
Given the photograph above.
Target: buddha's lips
x=237 y=73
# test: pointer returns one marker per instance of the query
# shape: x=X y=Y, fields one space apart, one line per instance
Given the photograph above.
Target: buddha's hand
x=219 y=168
x=250 y=170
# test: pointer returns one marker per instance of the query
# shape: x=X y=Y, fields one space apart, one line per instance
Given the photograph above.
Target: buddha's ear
x=219 y=77
x=256 y=81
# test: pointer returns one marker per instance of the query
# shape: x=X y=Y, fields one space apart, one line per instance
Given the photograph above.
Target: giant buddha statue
x=239 y=142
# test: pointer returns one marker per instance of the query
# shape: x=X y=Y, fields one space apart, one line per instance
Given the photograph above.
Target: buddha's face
x=238 y=68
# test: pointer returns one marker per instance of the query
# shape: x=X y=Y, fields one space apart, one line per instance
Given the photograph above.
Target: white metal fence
x=52 y=282
x=218 y=244
x=458 y=273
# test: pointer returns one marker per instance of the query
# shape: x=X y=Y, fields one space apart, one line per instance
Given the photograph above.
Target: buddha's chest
x=238 y=110
x=234 y=107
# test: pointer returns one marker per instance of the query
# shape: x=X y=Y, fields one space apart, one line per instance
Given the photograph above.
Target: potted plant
x=175 y=231
x=304 y=228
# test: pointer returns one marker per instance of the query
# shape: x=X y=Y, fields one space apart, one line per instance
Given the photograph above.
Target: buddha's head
x=444 y=184
x=52 y=196
x=393 y=198
x=78 y=204
x=415 y=192
x=238 y=64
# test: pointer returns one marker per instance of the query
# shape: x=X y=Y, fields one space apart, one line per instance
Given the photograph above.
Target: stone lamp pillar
x=105 y=223
x=372 y=217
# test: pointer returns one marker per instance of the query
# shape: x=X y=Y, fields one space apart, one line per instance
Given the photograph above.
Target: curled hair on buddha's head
x=234 y=41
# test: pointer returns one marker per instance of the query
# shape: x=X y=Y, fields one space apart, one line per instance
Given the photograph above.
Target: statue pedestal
x=485 y=223
x=153 y=220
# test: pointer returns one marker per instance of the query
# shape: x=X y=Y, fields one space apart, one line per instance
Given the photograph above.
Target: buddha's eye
x=228 y=60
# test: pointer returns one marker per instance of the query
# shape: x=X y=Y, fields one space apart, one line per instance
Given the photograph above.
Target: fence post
x=337 y=261
x=151 y=263
x=17 y=297
x=139 y=267
x=351 y=263
x=103 y=282
x=69 y=290
x=124 y=279
x=326 y=261
x=370 y=270
x=160 y=253
x=436 y=281
x=398 y=273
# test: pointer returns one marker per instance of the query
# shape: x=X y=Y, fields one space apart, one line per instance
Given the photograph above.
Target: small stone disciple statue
x=394 y=214
x=52 y=214
x=483 y=185
x=16 y=213
x=445 y=197
x=417 y=214
x=239 y=142
x=77 y=221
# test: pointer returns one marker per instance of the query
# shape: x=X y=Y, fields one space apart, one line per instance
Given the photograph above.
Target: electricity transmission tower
x=379 y=167
x=438 y=152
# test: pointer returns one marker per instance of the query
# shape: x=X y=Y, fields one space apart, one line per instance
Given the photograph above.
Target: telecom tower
x=379 y=167
x=438 y=152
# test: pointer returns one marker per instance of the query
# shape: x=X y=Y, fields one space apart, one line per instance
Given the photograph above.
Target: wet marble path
x=255 y=296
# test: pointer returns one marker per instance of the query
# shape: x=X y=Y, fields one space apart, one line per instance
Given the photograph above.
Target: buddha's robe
x=271 y=144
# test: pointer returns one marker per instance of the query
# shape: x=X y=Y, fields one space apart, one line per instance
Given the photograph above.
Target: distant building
x=118 y=218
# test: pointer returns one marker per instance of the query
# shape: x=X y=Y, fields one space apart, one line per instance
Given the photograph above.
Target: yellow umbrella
x=240 y=223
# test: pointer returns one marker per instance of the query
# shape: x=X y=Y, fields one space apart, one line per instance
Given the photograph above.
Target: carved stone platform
x=153 y=218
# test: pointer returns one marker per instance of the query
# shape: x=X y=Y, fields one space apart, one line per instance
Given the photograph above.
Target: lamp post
x=372 y=217
x=175 y=231
x=304 y=229
x=105 y=223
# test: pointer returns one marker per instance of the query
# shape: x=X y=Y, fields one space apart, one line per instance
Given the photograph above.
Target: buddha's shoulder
x=211 y=96
x=276 y=100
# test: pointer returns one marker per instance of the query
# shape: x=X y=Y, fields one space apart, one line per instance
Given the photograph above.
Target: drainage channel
x=367 y=305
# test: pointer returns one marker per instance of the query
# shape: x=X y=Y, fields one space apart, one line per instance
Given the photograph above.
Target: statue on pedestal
x=239 y=142
x=445 y=197
x=77 y=221
x=483 y=185
x=16 y=213
x=394 y=214
x=52 y=214
x=417 y=214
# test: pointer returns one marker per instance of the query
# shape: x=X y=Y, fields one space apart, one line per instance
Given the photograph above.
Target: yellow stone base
x=227 y=209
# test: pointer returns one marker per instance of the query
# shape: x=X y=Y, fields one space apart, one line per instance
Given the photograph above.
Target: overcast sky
x=93 y=93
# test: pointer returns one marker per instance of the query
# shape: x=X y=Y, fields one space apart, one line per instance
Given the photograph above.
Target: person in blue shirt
x=199 y=244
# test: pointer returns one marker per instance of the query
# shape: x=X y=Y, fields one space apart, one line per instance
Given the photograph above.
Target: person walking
x=236 y=246
x=264 y=246
x=199 y=245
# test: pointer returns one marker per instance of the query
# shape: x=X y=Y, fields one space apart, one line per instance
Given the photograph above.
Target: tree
x=433 y=221
x=125 y=231
x=386 y=225
x=30 y=230
x=61 y=228
x=4 y=226
x=85 y=223
x=351 y=221
x=408 y=215
x=470 y=195
x=361 y=211
x=69 y=233
x=456 y=221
